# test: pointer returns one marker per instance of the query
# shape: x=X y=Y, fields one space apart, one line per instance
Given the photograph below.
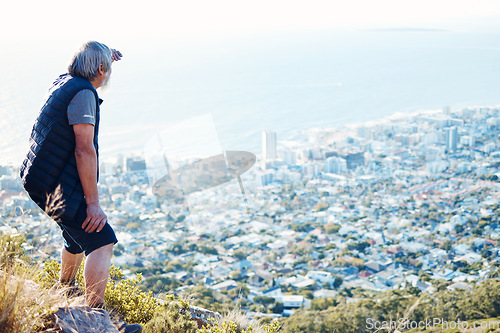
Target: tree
x=459 y=228
x=338 y=281
x=321 y=206
x=239 y=254
x=277 y=307
x=447 y=245
x=173 y=266
x=332 y=228
x=264 y=300
x=307 y=293
x=359 y=246
x=236 y=275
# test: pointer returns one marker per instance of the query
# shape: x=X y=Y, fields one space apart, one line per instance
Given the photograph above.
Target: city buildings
x=401 y=203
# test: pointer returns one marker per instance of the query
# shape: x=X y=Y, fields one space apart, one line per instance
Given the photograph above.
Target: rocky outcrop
x=83 y=319
x=203 y=316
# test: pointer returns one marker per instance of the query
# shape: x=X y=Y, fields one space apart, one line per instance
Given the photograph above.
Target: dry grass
x=24 y=307
x=242 y=322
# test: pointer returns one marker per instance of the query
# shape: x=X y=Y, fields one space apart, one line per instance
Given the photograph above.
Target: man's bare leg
x=69 y=266
x=96 y=274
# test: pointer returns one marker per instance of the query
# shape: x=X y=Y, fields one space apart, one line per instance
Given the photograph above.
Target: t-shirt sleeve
x=82 y=108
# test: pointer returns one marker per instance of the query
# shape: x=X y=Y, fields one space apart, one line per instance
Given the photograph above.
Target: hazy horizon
x=284 y=65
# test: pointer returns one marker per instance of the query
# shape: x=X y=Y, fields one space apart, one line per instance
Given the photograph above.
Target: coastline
x=13 y=155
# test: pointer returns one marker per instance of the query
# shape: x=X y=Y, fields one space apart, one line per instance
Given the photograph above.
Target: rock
x=83 y=319
x=202 y=316
x=80 y=318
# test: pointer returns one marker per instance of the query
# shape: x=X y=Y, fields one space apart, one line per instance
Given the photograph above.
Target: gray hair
x=87 y=60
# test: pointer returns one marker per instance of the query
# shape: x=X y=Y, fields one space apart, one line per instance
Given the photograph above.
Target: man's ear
x=101 y=70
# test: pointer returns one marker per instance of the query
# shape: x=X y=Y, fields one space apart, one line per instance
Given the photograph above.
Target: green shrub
x=122 y=296
x=172 y=318
x=49 y=275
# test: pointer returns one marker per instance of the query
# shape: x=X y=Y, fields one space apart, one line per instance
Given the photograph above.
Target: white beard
x=105 y=84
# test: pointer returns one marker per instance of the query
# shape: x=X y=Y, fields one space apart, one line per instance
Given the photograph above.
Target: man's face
x=105 y=82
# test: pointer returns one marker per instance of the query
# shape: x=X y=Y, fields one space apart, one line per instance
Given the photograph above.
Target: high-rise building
x=311 y=170
x=452 y=138
x=135 y=163
x=264 y=178
x=430 y=138
x=335 y=165
x=289 y=157
x=467 y=141
x=353 y=160
x=268 y=146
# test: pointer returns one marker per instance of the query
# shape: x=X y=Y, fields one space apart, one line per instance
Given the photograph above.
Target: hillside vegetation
x=27 y=306
x=408 y=308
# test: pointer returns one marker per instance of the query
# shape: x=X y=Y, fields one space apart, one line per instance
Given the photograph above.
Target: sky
x=54 y=29
x=204 y=19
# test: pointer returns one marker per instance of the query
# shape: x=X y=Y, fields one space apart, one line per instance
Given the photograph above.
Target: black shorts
x=77 y=240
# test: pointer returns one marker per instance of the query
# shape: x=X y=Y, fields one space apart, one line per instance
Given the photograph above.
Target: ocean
x=286 y=82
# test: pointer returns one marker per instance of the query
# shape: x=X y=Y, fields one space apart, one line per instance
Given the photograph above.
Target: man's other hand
x=96 y=219
x=116 y=55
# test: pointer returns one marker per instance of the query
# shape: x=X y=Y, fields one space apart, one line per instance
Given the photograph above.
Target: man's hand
x=116 y=55
x=96 y=219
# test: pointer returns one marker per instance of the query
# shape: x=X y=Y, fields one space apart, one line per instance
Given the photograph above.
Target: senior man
x=60 y=172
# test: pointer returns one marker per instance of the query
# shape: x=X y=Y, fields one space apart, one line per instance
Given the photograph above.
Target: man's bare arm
x=86 y=162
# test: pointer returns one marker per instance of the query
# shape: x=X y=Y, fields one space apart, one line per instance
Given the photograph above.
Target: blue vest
x=49 y=172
